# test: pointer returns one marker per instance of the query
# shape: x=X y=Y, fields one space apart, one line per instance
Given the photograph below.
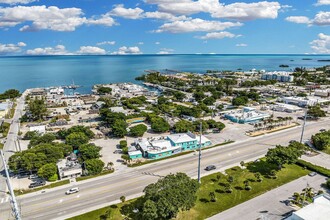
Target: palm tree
x=109 y=165
x=258 y=176
x=212 y=197
x=230 y=179
x=297 y=197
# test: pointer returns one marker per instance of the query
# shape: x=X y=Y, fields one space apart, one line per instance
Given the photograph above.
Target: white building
x=245 y=115
x=304 y=101
x=68 y=169
x=281 y=107
x=41 y=129
x=322 y=92
x=280 y=76
x=318 y=210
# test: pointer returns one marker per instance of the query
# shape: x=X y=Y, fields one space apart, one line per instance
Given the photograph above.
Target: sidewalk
x=269 y=205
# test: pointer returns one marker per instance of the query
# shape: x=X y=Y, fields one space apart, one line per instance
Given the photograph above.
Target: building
x=318 y=210
x=41 y=129
x=119 y=110
x=281 y=107
x=303 y=101
x=280 y=76
x=4 y=109
x=246 y=115
x=322 y=92
x=68 y=168
x=159 y=147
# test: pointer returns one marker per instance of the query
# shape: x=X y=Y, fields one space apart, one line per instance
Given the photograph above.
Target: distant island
x=284 y=65
x=323 y=60
x=306 y=59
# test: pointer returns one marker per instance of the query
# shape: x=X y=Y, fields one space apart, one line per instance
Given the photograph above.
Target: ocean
x=44 y=71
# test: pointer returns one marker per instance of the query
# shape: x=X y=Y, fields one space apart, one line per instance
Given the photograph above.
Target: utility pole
x=200 y=153
x=303 y=128
x=15 y=208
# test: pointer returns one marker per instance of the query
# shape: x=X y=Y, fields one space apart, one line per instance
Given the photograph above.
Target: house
x=159 y=147
x=318 y=210
x=119 y=110
x=41 y=129
x=68 y=168
x=322 y=93
x=97 y=105
x=4 y=108
x=281 y=107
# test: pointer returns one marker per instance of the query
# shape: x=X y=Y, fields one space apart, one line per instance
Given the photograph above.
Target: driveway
x=268 y=205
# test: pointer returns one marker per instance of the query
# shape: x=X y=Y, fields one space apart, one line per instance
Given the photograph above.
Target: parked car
x=323 y=130
x=312 y=174
x=72 y=190
x=36 y=184
x=117 y=151
x=210 y=167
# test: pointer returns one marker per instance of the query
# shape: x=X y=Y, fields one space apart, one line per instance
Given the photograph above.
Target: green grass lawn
x=204 y=208
x=105 y=172
x=327 y=150
x=1 y=146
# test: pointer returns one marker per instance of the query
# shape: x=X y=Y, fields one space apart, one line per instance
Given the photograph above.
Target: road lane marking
x=2 y=200
x=7 y=199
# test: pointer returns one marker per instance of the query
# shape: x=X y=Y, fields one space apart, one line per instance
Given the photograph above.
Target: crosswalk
x=4 y=200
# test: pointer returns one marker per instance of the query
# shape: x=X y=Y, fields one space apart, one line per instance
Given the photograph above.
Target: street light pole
x=15 y=207
x=200 y=153
x=303 y=128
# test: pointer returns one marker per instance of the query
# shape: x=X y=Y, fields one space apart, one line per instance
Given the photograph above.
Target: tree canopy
x=165 y=198
x=119 y=128
x=104 y=90
x=321 y=140
x=138 y=130
x=76 y=139
x=89 y=151
x=37 y=109
x=159 y=124
x=316 y=111
x=94 y=166
x=10 y=94
x=184 y=126
x=281 y=155
x=47 y=171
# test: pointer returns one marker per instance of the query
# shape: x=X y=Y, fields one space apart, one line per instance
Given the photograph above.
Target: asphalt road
x=10 y=146
x=103 y=191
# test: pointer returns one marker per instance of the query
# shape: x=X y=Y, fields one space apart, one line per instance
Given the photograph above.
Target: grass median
x=218 y=183
x=52 y=185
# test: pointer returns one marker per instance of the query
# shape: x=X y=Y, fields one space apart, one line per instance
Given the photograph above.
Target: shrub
x=53 y=178
x=123 y=144
x=248 y=188
x=328 y=183
x=312 y=167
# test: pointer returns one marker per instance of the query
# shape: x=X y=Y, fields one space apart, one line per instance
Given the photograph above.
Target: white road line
x=2 y=200
x=7 y=199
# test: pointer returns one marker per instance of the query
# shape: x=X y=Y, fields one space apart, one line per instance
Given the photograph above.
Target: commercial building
x=322 y=92
x=318 y=210
x=280 y=76
x=303 y=101
x=68 y=168
x=4 y=108
x=245 y=115
x=41 y=129
x=159 y=147
x=281 y=107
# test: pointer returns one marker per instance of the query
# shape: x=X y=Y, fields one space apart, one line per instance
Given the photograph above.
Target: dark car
x=36 y=184
x=323 y=130
x=210 y=167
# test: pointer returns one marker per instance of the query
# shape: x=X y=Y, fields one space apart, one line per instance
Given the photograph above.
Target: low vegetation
x=52 y=185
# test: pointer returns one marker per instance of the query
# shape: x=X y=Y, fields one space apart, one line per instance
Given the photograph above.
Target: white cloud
x=129 y=13
x=322 y=44
x=14 y=2
x=321 y=19
x=90 y=50
x=157 y=43
x=58 y=50
x=6 y=49
x=164 y=16
x=165 y=51
x=140 y=43
x=127 y=50
x=239 y=11
x=195 y=25
x=298 y=19
x=323 y=2
x=48 y=18
x=241 y=45
x=106 y=43
x=217 y=35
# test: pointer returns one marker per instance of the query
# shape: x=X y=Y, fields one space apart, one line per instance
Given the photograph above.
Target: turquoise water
x=29 y=72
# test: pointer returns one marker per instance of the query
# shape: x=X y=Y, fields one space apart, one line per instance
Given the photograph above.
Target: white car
x=72 y=190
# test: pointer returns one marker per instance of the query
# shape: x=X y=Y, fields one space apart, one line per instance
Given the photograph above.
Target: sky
x=113 y=27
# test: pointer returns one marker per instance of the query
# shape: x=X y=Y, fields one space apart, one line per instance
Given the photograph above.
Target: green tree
x=328 y=184
x=321 y=141
x=183 y=126
x=104 y=90
x=122 y=198
x=44 y=139
x=10 y=94
x=138 y=130
x=122 y=144
x=197 y=124
x=242 y=100
x=170 y=194
x=76 y=139
x=119 y=128
x=159 y=125
x=149 y=211
x=52 y=153
x=212 y=197
x=38 y=109
x=199 y=96
x=316 y=111
x=209 y=101
x=30 y=134
x=179 y=95
x=47 y=171
x=281 y=155
x=89 y=151
x=63 y=133
x=94 y=166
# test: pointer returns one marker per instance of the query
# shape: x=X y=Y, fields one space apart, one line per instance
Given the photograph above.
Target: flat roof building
x=246 y=115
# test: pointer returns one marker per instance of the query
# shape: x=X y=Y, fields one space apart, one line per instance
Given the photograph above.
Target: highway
x=106 y=190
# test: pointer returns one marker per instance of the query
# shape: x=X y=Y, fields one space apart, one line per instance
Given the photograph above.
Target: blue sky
x=91 y=27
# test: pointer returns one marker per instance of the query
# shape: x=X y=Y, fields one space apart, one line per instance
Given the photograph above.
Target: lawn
x=105 y=172
x=1 y=146
x=204 y=208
